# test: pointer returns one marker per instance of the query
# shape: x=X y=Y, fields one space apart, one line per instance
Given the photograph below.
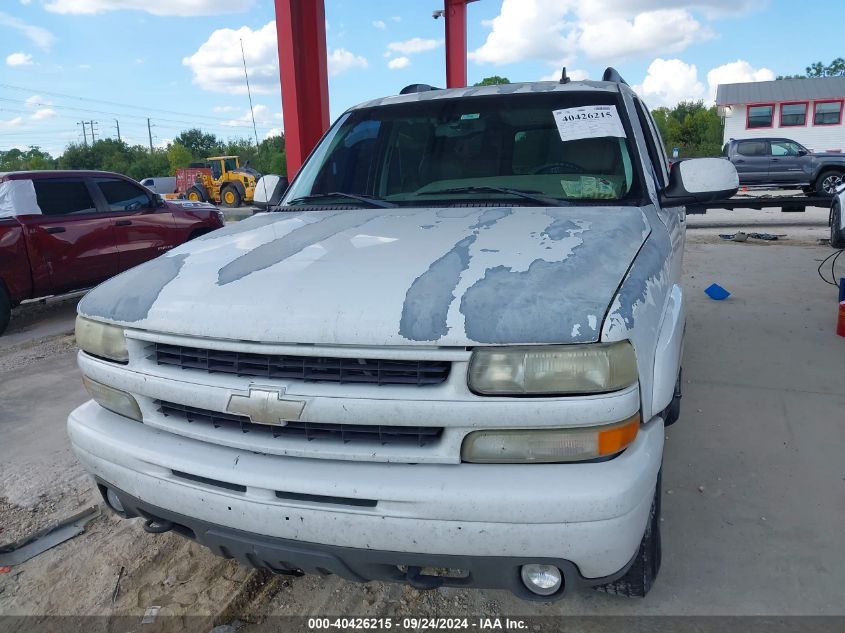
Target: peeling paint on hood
x=432 y=276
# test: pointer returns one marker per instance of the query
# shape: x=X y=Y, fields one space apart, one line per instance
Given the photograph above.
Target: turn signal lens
x=515 y=446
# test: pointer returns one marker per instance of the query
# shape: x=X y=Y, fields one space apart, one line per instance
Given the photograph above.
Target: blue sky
x=178 y=61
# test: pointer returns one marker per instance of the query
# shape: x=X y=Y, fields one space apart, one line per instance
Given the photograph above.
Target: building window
x=792 y=114
x=760 y=115
x=827 y=112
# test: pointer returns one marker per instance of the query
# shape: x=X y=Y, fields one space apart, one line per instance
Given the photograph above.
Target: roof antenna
x=252 y=112
x=563 y=78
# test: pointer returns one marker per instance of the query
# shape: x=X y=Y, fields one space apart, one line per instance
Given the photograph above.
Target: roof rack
x=412 y=88
x=611 y=74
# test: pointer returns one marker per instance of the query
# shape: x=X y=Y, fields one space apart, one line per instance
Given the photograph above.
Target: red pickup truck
x=62 y=231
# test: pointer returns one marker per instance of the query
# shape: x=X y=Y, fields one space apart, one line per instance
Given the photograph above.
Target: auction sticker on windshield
x=588 y=122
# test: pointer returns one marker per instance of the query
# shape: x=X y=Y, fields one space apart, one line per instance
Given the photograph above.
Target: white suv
x=447 y=358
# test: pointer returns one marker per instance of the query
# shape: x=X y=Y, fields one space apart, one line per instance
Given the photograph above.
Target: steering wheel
x=558 y=168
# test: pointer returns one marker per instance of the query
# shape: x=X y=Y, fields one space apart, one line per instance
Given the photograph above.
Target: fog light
x=544 y=580
x=114 y=501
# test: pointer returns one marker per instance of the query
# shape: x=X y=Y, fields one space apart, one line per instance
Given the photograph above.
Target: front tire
x=640 y=577
x=230 y=197
x=827 y=182
x=5 y=309
x=837 y=235
x=195 y=194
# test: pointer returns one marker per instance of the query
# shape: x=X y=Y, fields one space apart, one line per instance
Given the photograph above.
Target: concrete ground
x=754 y=481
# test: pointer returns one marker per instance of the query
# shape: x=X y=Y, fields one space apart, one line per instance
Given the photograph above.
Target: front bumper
x=361 y=518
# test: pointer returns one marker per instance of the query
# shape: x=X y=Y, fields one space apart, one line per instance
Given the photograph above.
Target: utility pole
x=84 y=132
x=150 y=132
x=91 y=123
x=117 y=123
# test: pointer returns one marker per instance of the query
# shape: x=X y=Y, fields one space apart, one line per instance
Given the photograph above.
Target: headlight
x=514 y=446
x=101 y=339
x=552 y=370
x=114 y=400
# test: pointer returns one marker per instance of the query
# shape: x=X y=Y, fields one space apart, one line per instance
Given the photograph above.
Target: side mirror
x=802 y=152
x=700 y=180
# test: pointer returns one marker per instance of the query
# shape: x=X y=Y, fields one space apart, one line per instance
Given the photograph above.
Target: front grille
x=308 y=368
x=346 y=433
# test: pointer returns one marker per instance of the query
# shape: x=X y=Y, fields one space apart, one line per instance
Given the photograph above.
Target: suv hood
x=444 y=276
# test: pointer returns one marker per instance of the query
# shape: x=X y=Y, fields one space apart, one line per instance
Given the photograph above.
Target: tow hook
x=420 y=582
x=157 y=526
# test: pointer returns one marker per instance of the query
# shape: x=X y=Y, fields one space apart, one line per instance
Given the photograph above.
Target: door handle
x=55 y=229
x=739 y=161
x=123 y=222
x=776 y=160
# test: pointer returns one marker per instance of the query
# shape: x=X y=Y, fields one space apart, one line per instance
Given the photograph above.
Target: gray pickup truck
x=785 y=164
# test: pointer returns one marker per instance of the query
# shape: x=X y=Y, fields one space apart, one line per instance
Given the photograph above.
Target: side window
x=751 y=148
x=784 y=148
x=63 y=196
x=655 y=152
x=122 y=195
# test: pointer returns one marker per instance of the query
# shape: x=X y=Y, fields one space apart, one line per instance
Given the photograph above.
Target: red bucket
x=840 y=323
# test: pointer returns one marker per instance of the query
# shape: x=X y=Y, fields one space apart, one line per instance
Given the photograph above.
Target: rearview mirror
x=700 y=180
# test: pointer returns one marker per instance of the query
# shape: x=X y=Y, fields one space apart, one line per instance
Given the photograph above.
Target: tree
x=836 y=68
x=19 y=160
x=200 y=144
x=693 y=128
x=493 y=80
x=178 y=156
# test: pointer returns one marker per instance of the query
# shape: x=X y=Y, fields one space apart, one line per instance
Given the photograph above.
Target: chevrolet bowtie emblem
x=265 y=406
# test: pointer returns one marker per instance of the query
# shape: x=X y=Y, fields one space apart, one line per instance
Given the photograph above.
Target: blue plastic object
x=716 y=292
x=841 y=289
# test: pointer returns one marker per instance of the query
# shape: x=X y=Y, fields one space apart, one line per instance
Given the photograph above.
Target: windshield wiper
x=536 y=196
x=373 y=202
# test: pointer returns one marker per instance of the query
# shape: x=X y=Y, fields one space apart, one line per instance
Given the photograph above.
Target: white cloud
x=528 y=29
x=19 y=59
x=35 y=101
x=413 y=45
x=379 y=24
x=739 y=71
x=217 y=65
x=557 y=31
x=223 y=109
x=275 y=131
x=43 y=113
x=259 y=110
x=10 y=123
x=39 y=36
x=668 y=30
x=340 y=60
x=156 y=7
x=398 y=62
x=669 y=81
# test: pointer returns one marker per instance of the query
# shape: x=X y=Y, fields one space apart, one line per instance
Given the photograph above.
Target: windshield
x=444 y=150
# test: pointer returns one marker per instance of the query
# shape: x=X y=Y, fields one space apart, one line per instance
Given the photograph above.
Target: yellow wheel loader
x=220 y=180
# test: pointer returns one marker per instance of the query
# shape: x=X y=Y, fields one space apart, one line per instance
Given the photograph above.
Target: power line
x=226 y=123
x=113 y=103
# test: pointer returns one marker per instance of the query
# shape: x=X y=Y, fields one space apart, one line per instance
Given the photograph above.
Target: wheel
x=827 y=182
x=673 y=411
x=195 y=194
x=5 y=309
x=230 y=197
x=837 y=235
x=640 y=577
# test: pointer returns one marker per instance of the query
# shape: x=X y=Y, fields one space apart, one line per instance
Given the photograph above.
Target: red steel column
x=301 y=30
x=456 y=43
